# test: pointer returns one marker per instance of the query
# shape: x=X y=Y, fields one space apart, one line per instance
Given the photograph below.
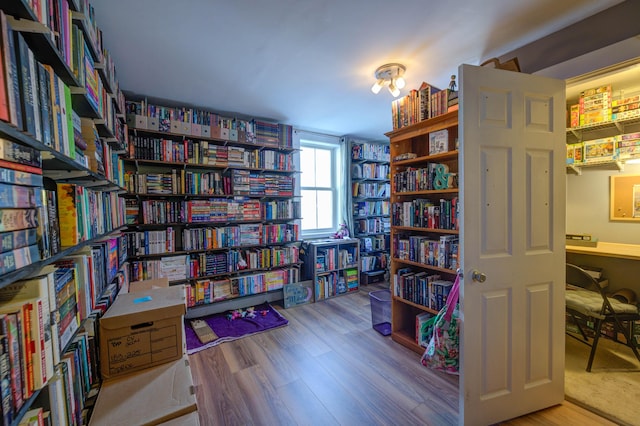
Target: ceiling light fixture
x=391 y=74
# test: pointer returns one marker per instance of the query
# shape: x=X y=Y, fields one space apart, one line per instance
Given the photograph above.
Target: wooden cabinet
x=370 y=191
x=333 y=266
x=424 y=221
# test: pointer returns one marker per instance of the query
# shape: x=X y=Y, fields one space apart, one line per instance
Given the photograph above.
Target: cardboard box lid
x=148 y=397
x=137 y=286
x=145 y=306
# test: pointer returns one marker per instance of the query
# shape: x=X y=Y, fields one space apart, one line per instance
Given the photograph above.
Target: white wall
x=588 y=206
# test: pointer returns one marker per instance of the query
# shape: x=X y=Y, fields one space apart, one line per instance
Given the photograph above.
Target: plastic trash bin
x=381 y=311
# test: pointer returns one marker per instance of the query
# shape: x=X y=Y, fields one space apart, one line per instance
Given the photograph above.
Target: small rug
x=226 y=329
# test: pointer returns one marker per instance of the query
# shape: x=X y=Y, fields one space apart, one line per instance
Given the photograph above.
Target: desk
x=620 y=263
x=621 y=251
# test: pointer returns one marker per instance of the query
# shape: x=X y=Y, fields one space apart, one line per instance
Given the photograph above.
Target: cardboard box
x=149 y=397
x=141 y=330
x=191 y=419
x=136 y=286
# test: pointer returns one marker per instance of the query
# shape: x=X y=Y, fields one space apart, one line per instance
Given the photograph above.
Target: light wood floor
x=329 y=367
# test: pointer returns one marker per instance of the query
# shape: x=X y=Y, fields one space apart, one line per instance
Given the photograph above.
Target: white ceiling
x=310 y=63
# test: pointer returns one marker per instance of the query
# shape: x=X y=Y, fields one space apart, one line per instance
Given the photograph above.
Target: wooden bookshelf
x=421 y=216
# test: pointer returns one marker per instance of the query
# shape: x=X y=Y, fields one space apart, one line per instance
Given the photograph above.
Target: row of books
x=442 y=253
x=374 y=243
x=370 y=151
x=374 y=225
x=426 y=213
x=371 y=208
x=421 y=104
x=370 y=171
x=235 y=236
x=245 y=182
x=201 y=123
x=614 y=148
x=335 y=283
x=198 y=211
x=41 y=320
x=184 y=182
x=421 y=287
x=369 y=189
x=374 y=262
x=37 y=101
x=208 y=291
x=207 y=153
x=435 y=176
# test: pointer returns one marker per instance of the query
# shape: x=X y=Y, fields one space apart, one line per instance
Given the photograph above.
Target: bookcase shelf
x=235 y=178
x=370 y=190
x=333 y=266
x=424 y=229
x=79 y=215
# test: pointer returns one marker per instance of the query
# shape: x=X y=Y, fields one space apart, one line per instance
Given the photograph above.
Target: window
x=320 y=188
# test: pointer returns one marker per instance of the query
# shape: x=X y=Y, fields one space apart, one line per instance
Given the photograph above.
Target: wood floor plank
x=327 y=367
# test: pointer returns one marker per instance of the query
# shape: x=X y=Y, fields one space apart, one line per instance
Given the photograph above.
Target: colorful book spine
x=18 y=258
x=16 y=196
x=15 y=219
x=21 y=154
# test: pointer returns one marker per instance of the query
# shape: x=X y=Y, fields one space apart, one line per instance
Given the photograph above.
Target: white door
x=512 y=181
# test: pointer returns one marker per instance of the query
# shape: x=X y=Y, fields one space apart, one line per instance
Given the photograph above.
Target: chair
x=586 y=301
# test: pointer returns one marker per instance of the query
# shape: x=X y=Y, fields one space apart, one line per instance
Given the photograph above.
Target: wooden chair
x=586 y=301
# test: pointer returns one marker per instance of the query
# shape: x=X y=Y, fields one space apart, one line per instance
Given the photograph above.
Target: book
x=46 y=117
x=14 y=219
x=17 y=196
x=35 y=96
x=21 y=154
x=5 y=373
x=67 y=214
x=4 y=95
x=36 y=289
x=22 y=309
x=18 y=177
x=11 y=71
x=18 y=258
x=13 y=340
x=17 y=239
x=27 y=91
x=4 y=164
x=33 y=417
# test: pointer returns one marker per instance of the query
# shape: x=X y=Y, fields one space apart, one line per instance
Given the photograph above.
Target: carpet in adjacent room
x=612 y=388
x=227 y=327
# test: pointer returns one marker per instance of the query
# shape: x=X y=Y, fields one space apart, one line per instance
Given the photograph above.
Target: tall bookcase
x=210 y=203
x=370 y=191
x=333 y=267
x=424 y=226
x=62 y=130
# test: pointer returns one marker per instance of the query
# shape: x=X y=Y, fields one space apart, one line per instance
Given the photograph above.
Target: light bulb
x=400 y=83
x=393 y=89
x=377 y=86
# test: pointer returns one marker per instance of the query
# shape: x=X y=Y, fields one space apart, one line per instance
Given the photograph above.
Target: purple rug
x=232 y=329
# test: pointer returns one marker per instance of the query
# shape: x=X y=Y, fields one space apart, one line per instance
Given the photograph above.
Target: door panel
x=512 y=183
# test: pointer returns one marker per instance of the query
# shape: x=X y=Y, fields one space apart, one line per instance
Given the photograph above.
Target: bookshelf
x=370 y=191
x=424 y=222
x=333 y=266
x=64 y=255
x=215 y=212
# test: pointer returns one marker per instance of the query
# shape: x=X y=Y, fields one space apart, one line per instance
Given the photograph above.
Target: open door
x=512 y=183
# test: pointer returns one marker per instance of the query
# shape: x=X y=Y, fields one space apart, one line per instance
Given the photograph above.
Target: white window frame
x=333 y=143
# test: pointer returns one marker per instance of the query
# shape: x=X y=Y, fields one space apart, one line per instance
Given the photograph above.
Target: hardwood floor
x=329 y=367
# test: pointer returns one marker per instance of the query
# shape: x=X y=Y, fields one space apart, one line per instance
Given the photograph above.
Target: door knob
x=478 y=276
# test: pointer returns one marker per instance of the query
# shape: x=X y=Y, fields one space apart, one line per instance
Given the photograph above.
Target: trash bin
x=381 y=311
